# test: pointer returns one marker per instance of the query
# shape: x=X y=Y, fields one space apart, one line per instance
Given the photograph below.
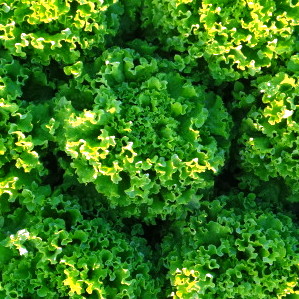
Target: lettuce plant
x=19 y=161
x=232 y=252
x=150 y=142
x=59 y=30
x=235 y=39
x=56 y=253
x=270 y=133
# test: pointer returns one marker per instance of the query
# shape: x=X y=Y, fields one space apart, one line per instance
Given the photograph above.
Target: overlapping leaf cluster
x=60 y=254
x=149 y=149
x=232 y=249
x=270 y=133
x=59 y=30
x=239 y=39
x=150 y=142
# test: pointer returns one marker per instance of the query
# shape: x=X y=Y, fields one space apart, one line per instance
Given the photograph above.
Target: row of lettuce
x=231 y=248
x=118 y=116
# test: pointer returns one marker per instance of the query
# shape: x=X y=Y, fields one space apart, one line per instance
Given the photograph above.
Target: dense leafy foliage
x=149 y=149
x=232 y=249
x=140 y=101
x=59 y=30
x=237 y=39
x=270 y=133
x=61 y=254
